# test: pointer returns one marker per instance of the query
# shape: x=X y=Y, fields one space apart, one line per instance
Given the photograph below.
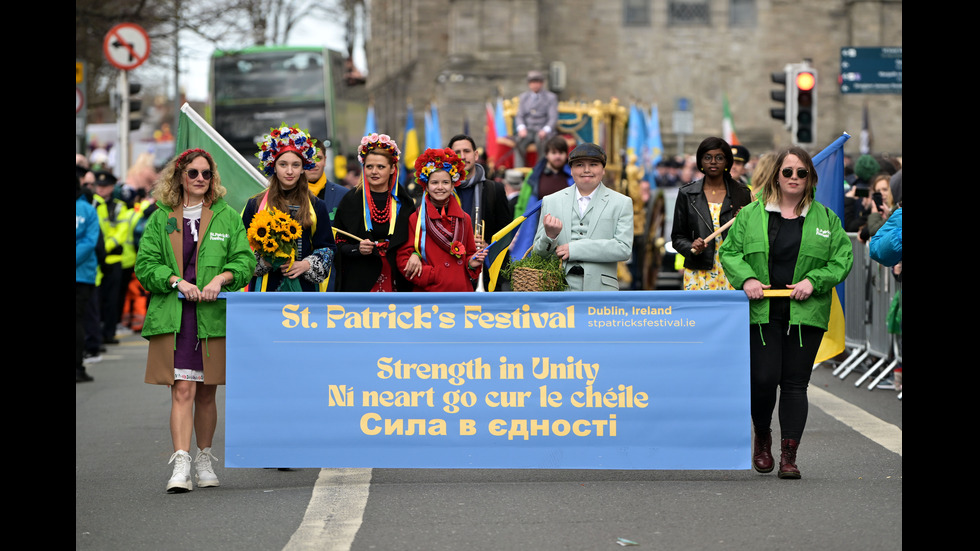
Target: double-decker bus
x=255 y=89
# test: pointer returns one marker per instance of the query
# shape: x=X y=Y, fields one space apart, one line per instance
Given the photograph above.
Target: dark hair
x=353 y=165
x=458 y=137
x=715 y=143
x=319 y=145
x=556 y=143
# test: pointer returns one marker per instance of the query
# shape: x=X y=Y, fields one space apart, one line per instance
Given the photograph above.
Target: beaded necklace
x=382 y=215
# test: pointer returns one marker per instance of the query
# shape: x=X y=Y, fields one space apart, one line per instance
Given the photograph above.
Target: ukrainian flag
x=500 y=242
x=830 y=193
x=410 y=151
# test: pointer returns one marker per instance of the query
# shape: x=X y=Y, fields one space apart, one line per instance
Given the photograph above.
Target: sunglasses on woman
x=801 y=173
x=193 y=174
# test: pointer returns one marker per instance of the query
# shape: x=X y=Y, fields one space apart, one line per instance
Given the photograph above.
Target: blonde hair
x=169 y=189
x=889 y=200
x=771 y=193
x=765 y=170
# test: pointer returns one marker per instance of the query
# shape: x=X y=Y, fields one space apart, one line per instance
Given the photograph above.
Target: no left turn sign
x=126 y=46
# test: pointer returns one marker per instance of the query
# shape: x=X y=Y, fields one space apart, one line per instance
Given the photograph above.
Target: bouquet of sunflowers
x=272 y=235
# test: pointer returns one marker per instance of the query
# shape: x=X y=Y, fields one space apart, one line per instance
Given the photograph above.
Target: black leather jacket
x=692 y=219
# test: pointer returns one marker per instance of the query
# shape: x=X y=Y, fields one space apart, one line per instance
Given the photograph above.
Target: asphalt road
x=850 y=496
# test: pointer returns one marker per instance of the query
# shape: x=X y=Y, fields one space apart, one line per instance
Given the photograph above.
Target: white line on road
x=336 y=508
x=885 y=434
x=335 y=511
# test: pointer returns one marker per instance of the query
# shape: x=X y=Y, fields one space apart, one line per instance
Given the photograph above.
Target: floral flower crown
x=434 y=160
x=378 y=141
x=283 y=139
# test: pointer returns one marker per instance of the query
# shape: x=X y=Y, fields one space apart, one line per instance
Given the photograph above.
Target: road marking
x=335 y=512
x=336 y=507
x=885 y=434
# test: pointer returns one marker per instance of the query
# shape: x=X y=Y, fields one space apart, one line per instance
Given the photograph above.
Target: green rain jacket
x=825 y=259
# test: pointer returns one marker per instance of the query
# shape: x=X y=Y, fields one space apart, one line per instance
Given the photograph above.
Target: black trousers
x=82 y=293
x=109 y=295
x=782 y=356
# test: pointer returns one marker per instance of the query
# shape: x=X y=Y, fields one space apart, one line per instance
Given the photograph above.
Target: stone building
x=463 y=53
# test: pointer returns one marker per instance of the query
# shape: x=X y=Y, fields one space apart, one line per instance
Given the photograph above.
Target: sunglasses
x=801 y=173
x=193 y=174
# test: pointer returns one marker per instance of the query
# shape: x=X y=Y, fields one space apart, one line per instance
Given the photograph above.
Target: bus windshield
x=260 y=77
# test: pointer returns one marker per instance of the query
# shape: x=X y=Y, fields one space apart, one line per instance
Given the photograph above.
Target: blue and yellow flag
x=654 y=150
x=500 y=243
x=433 y=133
x=830 y=193
x=410 y=149
x=636 y=136
x=370 y=124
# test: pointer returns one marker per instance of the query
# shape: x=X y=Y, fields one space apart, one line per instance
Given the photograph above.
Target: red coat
x=441 y=271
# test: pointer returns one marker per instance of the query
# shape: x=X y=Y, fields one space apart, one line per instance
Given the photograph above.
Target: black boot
x=81 y=376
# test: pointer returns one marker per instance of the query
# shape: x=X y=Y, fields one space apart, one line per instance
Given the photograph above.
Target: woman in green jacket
x=194 y=244
x=785 y=240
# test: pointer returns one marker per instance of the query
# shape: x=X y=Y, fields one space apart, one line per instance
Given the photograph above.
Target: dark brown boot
x=787 y=459
x=762 y=453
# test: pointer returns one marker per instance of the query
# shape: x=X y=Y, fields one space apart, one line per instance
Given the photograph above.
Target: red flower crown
x=434 y=160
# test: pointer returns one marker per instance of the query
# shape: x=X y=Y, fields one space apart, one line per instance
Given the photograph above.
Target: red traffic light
x=805 y=81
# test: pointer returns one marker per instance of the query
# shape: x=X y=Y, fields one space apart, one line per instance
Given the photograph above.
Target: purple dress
x=188 y=361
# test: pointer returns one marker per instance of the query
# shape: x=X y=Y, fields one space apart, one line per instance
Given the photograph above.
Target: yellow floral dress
x=713 y=279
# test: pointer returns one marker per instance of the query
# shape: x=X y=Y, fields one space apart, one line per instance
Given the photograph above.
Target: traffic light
x=804 y=127
x=786 y=113
x=135 y=106
x=128 y=107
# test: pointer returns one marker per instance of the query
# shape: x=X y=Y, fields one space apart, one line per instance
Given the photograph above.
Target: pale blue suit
x=597 y=240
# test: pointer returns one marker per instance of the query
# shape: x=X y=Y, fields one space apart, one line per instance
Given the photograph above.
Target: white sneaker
x=180 y=481
x=205 y=473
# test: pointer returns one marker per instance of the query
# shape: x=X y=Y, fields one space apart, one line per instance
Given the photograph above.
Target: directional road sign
x=871 y=70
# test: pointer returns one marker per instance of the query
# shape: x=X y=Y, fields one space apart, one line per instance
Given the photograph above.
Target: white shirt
x=583 y=200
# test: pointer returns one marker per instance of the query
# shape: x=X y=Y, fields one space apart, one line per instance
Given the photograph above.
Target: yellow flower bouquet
x=272 y=235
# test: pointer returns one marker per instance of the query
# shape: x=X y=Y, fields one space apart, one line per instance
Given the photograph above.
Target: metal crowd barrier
x=869 y=290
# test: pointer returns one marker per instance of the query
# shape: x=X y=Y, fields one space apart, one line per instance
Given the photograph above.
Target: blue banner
x=629 y=380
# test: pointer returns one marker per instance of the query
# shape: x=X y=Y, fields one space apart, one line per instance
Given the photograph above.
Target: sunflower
x=279 y=220
x=261 y=218
x=292 y=231
x=257 y=233
x=270 y=246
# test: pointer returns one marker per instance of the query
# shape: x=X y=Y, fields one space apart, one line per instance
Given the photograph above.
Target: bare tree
x=273 y=21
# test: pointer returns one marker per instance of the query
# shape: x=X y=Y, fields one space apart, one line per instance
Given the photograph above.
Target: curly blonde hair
x=169 y=189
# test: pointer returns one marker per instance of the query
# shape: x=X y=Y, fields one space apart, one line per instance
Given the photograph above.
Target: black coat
x=358 y=272
x=692 y=219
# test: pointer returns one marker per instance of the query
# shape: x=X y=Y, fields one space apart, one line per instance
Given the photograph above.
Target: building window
x=636 y=13
x=688 y=13
x=741 y=13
